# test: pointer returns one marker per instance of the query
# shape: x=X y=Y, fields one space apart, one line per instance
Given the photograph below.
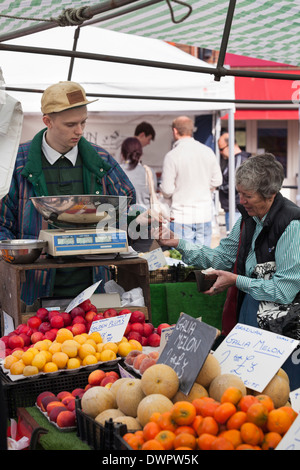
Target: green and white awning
x=264 y=29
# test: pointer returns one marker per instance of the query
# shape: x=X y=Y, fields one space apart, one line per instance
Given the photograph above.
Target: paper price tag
x=253 y=354
x=84 y=295
x=111 y=329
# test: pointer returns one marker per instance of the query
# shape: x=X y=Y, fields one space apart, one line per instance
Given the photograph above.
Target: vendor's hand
x=150 y=217
x=224 y=280
x=165 y=236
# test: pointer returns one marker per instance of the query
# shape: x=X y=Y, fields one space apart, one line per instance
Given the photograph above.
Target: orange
x=63 y=334
x=152 y=444
x=201 y=403
x=251 y=434
x=154 y=417
x=196 y=422
x=166 y=422
x=257 y=414
x=183 y=412
x=205 y=407
x=220 y=443
x=232 y=395
x=188 y=429
x=166 y=439
x=208 y=425
x=279 y=420
x=224 y=412
x=205 y=441
x=233 y=436
x=236 y=420
x=185 y=439
x=271 y=440
x=245 y=447
x=266 y=401
x=150 y=430
x=289 y=410
x=246 y=401
x=136 y=442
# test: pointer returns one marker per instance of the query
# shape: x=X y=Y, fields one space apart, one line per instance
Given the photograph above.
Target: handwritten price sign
x=253 y=354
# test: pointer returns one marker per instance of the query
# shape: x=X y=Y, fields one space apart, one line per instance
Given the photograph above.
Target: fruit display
x=66 y=352
x=223 y=415
x=45 y=324
x=139 y=361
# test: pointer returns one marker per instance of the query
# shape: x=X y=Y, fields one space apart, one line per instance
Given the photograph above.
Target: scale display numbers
x=84 y=239
x=67 y=240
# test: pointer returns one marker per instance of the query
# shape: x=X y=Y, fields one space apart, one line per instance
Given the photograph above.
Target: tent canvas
x=113 y=119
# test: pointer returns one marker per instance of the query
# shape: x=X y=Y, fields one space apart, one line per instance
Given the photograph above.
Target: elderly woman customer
x=261 y=254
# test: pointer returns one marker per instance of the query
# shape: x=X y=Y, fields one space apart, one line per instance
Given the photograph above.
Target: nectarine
x=66 y=419
x=43 y=395
x=95 y=377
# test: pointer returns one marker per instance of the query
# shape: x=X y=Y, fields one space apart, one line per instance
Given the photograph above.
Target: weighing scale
x=83 y=225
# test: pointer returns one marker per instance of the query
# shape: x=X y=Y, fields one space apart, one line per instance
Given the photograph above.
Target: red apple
x=137 y=316
x=34 y=322
x=67 y=318
x=135 y=335
x=78 y=319
x=25 y=338
x=78 y=329
x=148 y=329
x=52 y=313
x=45 y=326
x=138 y=327
x=110 y=312
x=89 y=316
x=85 y=305
x=42 y=313
x=15 y=341
x=51 y=334
x=161 y=327
x=57 y=322
x=77 y=312
x=124 y=311
x=98 y=316
x=36 y=336
x=154 y=340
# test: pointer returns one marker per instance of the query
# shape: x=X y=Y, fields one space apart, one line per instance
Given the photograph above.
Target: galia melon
x=107 y=414
x=222 y=382
x=197 y=391
x=131 y=423
x=97 y=399
x=116 y=385
x=160 y=378
x=155 y=402
x=129 y=395
x=210 y=369
x=278 y=389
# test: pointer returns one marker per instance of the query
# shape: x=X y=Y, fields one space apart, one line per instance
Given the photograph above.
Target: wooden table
x=132 y=273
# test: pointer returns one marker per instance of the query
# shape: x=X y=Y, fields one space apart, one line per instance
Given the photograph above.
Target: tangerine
x=205 y=441
x=201 y=403
x=152 y=444
x=232 y=395
x=220 y=443
x=266 y=400
x=224 y=412
x=257 y=413
x=185 y=439
x=289 y=410
x=150 y=430
x=233 y=436
x=246 y=401
x=208 y=425
x=271 y=440
x=279 y=420
x=166 y=439
x=251 y=434
x=236 y=420
x=183 y=412
x=166 y=422
x=188 y=429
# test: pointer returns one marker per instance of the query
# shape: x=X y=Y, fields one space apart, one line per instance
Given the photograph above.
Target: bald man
x=240 y=156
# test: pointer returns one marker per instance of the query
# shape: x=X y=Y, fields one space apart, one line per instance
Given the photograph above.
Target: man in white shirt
x=190 y=175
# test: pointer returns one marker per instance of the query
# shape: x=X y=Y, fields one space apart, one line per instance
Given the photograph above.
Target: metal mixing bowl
x=80 y=211
x=21 y=251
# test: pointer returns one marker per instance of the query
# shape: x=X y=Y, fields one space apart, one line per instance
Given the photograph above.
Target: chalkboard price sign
x=187 y=349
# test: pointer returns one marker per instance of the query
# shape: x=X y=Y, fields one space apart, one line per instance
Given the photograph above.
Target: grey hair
x=260 y=173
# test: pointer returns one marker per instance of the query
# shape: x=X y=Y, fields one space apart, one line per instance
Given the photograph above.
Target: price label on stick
x=84 y=295
x=187 y=348
x=253 y=354
x=111 y=329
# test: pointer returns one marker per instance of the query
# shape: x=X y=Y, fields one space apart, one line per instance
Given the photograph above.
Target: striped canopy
x=264 y=29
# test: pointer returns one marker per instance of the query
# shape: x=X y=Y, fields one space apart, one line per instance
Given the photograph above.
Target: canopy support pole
x=225 y=38
x=231 y=168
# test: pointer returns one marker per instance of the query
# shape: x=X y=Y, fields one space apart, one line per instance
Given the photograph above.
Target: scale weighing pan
x=80 y=211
